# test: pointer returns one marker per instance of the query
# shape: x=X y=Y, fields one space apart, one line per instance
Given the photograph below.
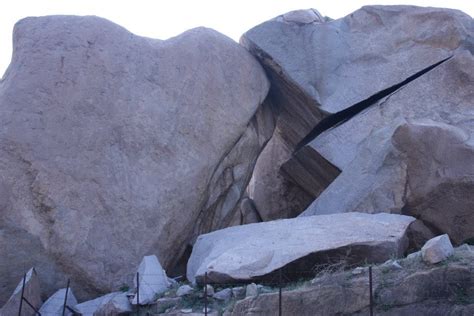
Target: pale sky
x=164 y=19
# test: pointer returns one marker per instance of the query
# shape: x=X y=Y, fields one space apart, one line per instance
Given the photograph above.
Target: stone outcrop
x=415 y=289
x=55 y=304
x=346 y=81
x=253 y=251
x=31 y=292
x=114 y=146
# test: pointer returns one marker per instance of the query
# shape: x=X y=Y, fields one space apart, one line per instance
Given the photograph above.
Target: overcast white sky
x=165 y=18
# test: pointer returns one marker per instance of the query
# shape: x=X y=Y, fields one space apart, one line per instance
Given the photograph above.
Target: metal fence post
x=371 y=292
x=279 y=296
x=65 y=298
x=22 y=293
x=138 y=294
x=205 y=294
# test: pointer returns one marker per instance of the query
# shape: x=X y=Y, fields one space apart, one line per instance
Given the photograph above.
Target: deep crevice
x=343 y=116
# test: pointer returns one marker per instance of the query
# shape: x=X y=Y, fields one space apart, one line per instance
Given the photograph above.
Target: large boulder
x=253 y=251
x=29 y=287
x=114 y=146
x=325 y=72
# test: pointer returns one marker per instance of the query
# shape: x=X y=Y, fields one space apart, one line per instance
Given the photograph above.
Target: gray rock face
x=437 y=249
x=31 y=292
x=55 y=304
x=251 y=251
x=321 y=69
x=114 y=146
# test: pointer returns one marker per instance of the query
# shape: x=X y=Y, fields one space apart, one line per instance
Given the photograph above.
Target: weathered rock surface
x=437 y=249
x=31 y=292
x=116 y=303
x=114 y=146
x=152 y=281
x=55 y=304
x=251 y=251
x=321 y=69
x=416 y=289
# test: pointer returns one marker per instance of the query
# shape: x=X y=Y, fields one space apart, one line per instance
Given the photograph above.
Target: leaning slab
x=152 y=281
x=31 y=292
x=55 y=304
x=252 y=251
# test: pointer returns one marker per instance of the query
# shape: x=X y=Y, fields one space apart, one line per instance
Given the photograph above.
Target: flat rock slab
x=251 y=251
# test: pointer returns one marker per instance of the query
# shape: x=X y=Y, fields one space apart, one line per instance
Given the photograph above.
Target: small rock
x=54 y=304
x=358 y=270
x=210 y=290
x=437 y=249
x=396 y=265
x=206 y=310
x=414 y=256
x=238 y=291
x=223 y=295
x=153 y=280
x=251 y=290
x=184 y=290
x=115 y=303
x=186 y=310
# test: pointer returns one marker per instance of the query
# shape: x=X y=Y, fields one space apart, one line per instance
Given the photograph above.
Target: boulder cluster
x=311 y=142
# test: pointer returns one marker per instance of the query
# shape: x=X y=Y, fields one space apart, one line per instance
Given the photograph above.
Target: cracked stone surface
x=321 y=68
x=115 y=146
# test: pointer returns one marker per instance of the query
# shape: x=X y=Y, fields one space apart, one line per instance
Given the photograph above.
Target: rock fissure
x=343 y=116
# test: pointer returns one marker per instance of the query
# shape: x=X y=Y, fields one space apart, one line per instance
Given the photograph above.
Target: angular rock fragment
x=253 y=251
x=152 y=281
x=55 y=304
x=437 y=249
x=31 y=292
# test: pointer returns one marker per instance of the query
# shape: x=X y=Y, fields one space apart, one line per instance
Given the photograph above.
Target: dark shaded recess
x=179 y=269
x=310 y=171
x=343 y=116
x=291 y=104
x=309 y=266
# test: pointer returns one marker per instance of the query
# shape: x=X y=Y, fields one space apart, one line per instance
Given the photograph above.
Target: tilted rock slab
x=319 y=68
x=251 y=251
x=31 y=292
x=114 y=146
